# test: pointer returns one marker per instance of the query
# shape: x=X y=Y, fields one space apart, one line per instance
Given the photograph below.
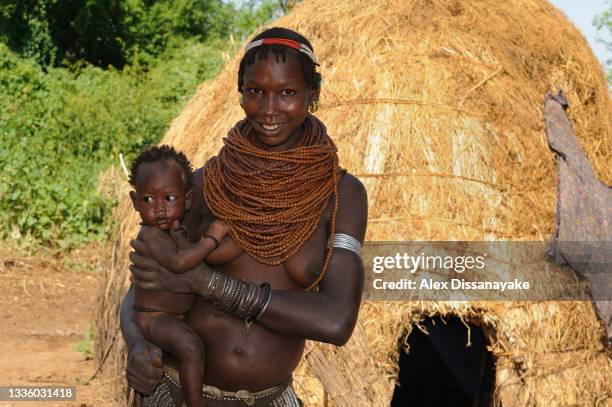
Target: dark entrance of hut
x=439 y=370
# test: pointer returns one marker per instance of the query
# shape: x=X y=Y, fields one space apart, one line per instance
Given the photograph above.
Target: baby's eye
x=171 y=198
x=148 y=199
x=288 y=92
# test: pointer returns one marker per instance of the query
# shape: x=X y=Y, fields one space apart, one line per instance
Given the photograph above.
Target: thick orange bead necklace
x=272 y=200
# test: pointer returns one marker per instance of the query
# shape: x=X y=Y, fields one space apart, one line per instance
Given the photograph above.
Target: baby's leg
x=176 y=337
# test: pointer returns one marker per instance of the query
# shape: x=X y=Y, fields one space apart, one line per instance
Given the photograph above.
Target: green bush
x=85 y=80
x=59 y=129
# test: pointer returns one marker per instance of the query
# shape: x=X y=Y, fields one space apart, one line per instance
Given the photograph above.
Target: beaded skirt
x=168 y=394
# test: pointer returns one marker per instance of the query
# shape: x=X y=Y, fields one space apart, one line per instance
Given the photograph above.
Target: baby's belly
x=264 y=360
x=166 y=301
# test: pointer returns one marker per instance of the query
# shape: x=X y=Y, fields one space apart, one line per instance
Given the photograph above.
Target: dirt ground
x=46 y=308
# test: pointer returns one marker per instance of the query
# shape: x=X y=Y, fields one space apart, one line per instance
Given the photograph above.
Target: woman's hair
x=158 y=154
x=311 y=76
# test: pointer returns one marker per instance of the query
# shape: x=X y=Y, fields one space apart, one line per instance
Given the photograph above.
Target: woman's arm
x=329 y=314
x=144 y=360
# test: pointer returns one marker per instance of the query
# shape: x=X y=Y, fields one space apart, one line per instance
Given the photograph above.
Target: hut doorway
x=439 y=370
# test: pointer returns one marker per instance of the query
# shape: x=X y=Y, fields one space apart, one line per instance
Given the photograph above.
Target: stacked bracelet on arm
x=238 y=298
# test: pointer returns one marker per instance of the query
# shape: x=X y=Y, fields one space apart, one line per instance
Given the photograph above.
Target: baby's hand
x=218 y=229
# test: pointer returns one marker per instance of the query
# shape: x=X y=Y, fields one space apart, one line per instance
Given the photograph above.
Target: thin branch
x=479 y=84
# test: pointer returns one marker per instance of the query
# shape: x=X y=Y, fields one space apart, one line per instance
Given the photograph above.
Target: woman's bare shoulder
x=352 y=216
x=198 y=191
x=351 y=186
x=198 y=177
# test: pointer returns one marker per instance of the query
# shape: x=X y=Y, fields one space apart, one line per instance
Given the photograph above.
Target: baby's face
x=160 y=195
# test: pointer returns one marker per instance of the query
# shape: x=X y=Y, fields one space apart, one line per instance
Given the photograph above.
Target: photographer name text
x=390 y=273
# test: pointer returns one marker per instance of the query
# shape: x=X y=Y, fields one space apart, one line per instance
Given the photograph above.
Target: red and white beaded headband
x=282 y=41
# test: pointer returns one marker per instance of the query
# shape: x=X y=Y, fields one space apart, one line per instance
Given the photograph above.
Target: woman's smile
x=272 y=129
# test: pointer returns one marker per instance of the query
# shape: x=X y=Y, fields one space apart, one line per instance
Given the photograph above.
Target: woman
x=290 y=269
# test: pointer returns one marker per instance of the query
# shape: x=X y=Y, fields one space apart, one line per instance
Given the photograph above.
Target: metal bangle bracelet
x=237 y=286
x=246 y=299
x=266 y=287
x=212 y=284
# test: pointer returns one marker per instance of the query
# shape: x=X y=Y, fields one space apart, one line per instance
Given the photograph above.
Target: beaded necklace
x=272 y=200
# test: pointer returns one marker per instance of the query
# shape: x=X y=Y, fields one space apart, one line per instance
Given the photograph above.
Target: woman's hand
x=150 y=275
x=144 y=367
x=144 y=359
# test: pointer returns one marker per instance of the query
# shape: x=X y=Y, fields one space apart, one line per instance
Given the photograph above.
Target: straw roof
x=436 y=105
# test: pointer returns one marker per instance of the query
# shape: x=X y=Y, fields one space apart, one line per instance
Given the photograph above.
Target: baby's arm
x=179 y=260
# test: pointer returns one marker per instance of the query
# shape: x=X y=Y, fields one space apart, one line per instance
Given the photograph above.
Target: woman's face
x=275 y=99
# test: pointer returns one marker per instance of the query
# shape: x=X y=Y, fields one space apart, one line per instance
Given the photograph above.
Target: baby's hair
x=158 y=154
x=311 y=76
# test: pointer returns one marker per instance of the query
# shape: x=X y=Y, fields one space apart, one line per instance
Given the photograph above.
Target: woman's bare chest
x=296 y=272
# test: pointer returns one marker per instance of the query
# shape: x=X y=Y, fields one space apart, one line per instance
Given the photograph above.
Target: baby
x=161 y=178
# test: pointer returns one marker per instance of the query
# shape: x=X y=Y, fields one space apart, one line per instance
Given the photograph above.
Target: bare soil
x=46 y=306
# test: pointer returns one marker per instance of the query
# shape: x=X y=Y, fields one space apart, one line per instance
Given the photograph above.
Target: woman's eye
x=288 y=92
x=171 y=198
x=254 y=91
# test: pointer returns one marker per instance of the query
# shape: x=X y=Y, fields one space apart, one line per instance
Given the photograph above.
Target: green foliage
x=85 y=345
x=59 y=129
x=116 y=32
x=603 y=23
x=24 y=25
x=253 y=14
x=85 y=80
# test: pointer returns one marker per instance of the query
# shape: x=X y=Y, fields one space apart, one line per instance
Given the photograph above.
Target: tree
x=119 y=32
x=603 y=23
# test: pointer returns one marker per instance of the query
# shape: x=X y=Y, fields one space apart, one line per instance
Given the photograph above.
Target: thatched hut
x=436 y=105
